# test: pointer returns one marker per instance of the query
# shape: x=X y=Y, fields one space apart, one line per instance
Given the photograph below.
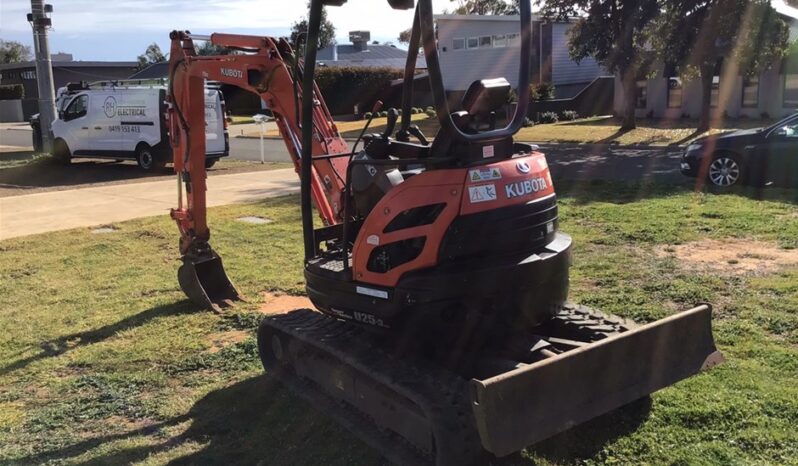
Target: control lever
x=393 y=117
x=416 y=132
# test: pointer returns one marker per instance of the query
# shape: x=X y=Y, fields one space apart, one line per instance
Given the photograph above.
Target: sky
x=122 y=29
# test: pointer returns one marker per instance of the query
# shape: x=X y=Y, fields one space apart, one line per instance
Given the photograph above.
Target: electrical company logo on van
x=110 y=106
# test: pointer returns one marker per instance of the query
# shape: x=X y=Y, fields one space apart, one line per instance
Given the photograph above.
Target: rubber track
x=441 y=395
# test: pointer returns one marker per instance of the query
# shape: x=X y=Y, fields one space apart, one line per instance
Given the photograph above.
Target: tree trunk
x=706 y=98
x=628 y=82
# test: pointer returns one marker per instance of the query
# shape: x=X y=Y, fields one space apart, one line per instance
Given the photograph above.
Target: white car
x=120 y=123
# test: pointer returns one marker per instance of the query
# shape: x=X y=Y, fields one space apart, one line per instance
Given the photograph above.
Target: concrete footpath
x=61 y=210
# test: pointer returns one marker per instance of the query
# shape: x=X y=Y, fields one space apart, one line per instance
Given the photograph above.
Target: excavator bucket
x=206 y=284
x=519 y=408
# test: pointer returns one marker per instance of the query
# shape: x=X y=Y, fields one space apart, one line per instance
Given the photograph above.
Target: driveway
x=61 y=210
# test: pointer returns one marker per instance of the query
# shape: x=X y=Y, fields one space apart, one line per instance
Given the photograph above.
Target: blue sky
x=122 y=29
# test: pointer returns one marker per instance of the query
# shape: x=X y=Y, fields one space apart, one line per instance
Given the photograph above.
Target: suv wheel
x=147 y=159
x=725 y=170
x=210 y=162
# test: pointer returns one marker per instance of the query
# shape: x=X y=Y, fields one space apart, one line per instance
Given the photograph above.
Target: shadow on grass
x=256 y=421
x=66 y=343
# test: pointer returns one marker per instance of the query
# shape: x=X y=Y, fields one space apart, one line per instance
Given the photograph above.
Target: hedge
x=11 y=91
x=343 y=87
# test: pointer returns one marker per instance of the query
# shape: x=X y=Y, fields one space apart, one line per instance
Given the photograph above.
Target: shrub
x=765 y=115
x=11 y=91
x=549 y=117
x=430 y=112
x=542 y=91
x=528 y=122
x=384 y=113
x=367 y=115
x=430 y=108
x=569 y=115
x=343 y=87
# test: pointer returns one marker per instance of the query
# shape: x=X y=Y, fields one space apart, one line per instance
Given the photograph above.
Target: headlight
x=694 y=147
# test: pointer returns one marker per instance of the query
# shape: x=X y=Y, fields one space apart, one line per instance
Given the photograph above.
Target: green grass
x=22 y=158
x=103 y=361
x=241 y=119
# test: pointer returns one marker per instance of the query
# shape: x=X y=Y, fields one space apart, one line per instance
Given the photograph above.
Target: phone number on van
x=124 y=129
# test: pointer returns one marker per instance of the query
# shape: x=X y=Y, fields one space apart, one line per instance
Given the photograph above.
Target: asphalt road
x=579 y=162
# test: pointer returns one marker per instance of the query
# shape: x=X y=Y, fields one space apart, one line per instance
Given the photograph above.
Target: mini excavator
x=442 y=334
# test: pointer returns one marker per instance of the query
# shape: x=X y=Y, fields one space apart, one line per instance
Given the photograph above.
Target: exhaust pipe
x=205 y=282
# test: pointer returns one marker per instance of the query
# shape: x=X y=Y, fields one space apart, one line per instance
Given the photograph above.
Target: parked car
x=751 y=156
x=121 y=122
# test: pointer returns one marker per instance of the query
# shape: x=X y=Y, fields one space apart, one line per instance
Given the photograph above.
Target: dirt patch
x=223 y=339
x=282 y=303
x=732 y=256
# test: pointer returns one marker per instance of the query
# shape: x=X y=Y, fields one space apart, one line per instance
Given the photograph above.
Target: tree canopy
x=326 y=31
x=150 y=56
x=486 y=7
x=13 y=52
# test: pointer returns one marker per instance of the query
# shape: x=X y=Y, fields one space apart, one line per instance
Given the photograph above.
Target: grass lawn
x=103 y=361
x=582 y=131
x=241 y=119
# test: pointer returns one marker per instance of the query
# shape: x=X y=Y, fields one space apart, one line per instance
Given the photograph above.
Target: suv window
x=77 y=108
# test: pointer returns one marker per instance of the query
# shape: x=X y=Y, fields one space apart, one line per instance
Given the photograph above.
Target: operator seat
x=480 y=103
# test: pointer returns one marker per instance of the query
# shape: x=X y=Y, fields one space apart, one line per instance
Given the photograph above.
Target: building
x=65 y=70
x=772 y=94
x=473 y=47
x=360 y=53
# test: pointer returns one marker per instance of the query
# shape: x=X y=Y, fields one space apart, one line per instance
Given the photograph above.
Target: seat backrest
x=486 y=96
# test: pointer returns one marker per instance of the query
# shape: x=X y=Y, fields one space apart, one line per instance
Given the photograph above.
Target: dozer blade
x=519 y=408
x=205 y=283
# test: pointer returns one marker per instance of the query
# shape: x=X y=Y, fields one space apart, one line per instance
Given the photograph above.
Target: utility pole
x=40 y=21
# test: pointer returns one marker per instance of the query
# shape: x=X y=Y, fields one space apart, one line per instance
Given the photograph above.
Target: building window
x=513 y=39
x=790 y=90
x=715 y=92
x=28 y=75
x=485 y=42
x=500 y=40
x=674 y=92
x=641 y=94
x=751 y=92
x=473 y=42
x=458 y=44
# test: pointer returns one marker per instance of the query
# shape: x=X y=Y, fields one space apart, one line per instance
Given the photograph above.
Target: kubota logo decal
x=232 y=73
x=522 y=188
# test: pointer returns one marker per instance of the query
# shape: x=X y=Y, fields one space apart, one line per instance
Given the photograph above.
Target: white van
x=128 y=122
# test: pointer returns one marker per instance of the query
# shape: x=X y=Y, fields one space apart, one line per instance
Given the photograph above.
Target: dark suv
x=751 y=156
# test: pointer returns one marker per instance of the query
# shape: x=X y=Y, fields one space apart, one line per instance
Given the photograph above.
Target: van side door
x=106 y=134
x=74 y=126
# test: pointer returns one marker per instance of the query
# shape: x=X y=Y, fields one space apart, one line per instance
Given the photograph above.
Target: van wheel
x=210 y=162
x=61 y=151
x=147 y=159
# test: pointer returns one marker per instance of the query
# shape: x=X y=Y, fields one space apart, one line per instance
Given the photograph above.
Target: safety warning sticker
x=484 y=174
x=482 y=193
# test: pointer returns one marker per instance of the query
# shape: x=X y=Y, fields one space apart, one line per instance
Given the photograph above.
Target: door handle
x=84 y=127
x=98 y=127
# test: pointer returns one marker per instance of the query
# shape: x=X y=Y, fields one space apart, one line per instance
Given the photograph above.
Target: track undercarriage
x=433 y=407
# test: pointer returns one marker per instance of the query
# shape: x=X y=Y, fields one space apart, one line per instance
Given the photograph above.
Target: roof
x=785 y=8
x=154 y=71
x=373 y=56
x=73 y=64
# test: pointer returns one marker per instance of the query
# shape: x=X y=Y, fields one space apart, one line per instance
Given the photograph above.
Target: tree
x=486 y=7
x=152 y=55
x=404 y=36
x=13 y=52
x=615 y=34
x=208 y=48
x=697 y=35
x=326 y=31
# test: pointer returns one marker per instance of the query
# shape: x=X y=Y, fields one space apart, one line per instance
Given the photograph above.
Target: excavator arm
x=267 y=67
